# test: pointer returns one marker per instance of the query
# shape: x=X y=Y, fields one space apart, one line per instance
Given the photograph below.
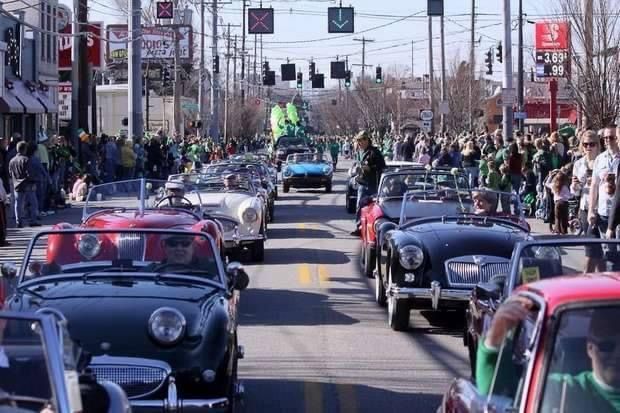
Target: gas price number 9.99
x=552 y=63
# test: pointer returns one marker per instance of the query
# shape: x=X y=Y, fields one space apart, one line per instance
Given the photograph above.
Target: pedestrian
x=582 y=181
x=128 y=159
x=561 y=194
x=371 y=166
x=23 y=186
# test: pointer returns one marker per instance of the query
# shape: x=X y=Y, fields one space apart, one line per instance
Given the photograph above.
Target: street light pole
x=520 y=86
x=507 y=83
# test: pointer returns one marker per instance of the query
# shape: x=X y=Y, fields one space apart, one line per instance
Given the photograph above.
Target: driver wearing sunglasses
x=180 y=254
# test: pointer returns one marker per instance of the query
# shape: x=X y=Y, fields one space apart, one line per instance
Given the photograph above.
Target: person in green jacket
x=334 y=150
x=493 y=177
x=597 y=390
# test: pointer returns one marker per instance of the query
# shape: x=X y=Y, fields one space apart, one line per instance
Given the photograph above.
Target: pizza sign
x=158 y=42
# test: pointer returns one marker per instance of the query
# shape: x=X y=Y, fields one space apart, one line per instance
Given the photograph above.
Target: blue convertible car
x=307 y=170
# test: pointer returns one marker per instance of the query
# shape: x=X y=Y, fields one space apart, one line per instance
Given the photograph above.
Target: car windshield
x=476 y=203
x=25 y=372
x=308 y=158
x=395 y=185
x=214 y=183
x=290 y=141
x=121 y=253
x=137 y=193
x=559 y=257
x=584 y=363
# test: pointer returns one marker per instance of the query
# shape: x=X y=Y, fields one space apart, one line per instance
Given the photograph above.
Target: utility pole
x=520 y=86
x=177 y=110
x=443 y=75
x=135 y=127
x=235 y=69
x=412 y=51
x=507 y=109
x=227 y=86
x=244 y=85
x=586 y=84
x=364 y=41
x=214 y=129
x=431 y=74
x=75 y=81
x=472 y=64
x=84 y=71
x=255 y=56
x=201 y=71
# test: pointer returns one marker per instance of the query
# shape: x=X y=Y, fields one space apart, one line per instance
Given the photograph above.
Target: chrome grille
x=131 y=246
x=136 y=381
x=470 y=270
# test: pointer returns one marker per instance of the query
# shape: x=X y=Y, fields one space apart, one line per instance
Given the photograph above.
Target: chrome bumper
x=435 y=293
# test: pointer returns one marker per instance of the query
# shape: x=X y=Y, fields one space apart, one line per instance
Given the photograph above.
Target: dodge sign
x=157 y=43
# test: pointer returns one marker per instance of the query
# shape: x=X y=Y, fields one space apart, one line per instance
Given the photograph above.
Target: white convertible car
x=239 y=208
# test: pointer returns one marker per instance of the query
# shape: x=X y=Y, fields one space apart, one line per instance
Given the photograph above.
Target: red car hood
x=149 y=219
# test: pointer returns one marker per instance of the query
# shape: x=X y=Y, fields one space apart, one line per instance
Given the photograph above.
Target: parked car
x=434 y=262
x=559 y=357
x=166 y=319
x=307 y=170
x=531 y=261
x=240 y=210
x=386 y=205
x=287 y=145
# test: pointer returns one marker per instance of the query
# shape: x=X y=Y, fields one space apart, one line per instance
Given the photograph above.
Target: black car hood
x=117 y=313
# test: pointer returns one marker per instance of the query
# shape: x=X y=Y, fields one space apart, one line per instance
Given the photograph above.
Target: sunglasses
x=604 y=346
x=611 y=138
x=589 y=144
x=178 y=243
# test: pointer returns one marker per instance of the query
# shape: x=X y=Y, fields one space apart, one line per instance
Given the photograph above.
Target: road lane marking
x=346 y=398
x=323 y=275
x=304 y=274
x=301 y=226
x=313 y=397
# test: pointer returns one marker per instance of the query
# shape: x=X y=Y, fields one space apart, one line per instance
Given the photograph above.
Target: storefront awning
x=10 y=104
x=46 y=101
x=27 y=98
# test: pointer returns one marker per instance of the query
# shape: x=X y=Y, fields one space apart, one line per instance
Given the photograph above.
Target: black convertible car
x=156 y=309
x=435 y=262
x=288 y=145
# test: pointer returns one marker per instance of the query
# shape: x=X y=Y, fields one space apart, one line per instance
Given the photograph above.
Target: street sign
x=338 y=70
x=164 y=10
x=427 y=125
x=340 y=20
x=434 y=8
x=444 y=108
x=288 y=72
x=260 y=21
x=64 y=101
x=157 y=43
x=426 y=115
x=509 y=97
x=520 y=115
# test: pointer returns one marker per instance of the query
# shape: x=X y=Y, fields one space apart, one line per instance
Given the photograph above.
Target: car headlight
x=167 y=325
x=249 y=215
x=410 y=257
x=287 y=172
x=89 y=246
x=327 y=170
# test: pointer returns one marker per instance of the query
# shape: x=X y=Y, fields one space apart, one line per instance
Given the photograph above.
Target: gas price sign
x=552 y=63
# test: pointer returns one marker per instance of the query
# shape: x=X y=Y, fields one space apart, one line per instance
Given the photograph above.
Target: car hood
x=391 y=208
x=149 y=219
x=307 y=168
x=120 y=311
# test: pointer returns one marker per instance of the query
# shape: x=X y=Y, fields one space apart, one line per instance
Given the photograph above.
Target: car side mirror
x=489 y=291
x=237 y=275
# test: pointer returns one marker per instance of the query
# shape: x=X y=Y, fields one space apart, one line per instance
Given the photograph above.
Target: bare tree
x=595 y=72
x=457 y=84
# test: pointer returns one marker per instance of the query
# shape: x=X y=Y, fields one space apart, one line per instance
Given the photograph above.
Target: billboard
x=552 y=35
x=157 y=43
x=94 y=41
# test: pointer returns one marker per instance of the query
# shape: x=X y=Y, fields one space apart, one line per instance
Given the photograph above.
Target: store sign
x=552 y=49
x=64 y=101
x=158 y=42
x=552 y=35
x=94 y=43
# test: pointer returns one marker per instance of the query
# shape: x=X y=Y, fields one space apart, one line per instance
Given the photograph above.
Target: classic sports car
x=144 y=203
x=532 y=261
x=239 y=208
x=387 y=204
x=435 y=262
x=559 y=358
x=287 y=145
x=165 y=315
x=390 y=166
x=43 y=370
x=307 y=170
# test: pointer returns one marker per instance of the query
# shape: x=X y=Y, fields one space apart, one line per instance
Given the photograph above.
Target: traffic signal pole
x=520 y=87
x=214 y=127
x=135 y=127
x=507 y=83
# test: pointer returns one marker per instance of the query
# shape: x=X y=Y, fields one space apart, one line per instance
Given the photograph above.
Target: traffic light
x=489 y=62
x=532 y=78
x=300 y=80
x=347 y=79
x=269 y=78
x=312 y=70
x=500 y=57
x=216 y=64
x=379 y=77
x=166 y=78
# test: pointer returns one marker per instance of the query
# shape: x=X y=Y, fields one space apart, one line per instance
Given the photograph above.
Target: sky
x=301 y=31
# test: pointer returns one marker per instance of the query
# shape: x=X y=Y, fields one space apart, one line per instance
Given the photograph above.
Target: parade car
x=145 y=203
x=287 y=145
x=165 y=317
x=386 y=205
x=434 y=262
x=352 y=185
x=559 y=358
x=531 y=261
x=238 y=207
x=42 y=370
x=307 y=170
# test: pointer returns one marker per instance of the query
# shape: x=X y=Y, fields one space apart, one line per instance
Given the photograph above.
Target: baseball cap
x=174 y=185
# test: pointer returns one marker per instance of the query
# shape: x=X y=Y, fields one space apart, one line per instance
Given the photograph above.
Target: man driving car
x=231 y=183
x=179 y=254
x=176 y=191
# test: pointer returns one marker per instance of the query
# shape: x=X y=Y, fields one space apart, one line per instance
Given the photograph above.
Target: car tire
x=285 y=188
x=258 y=251
x=370 y=258
x=398 y=313
x=380 y=293
x=328 y=187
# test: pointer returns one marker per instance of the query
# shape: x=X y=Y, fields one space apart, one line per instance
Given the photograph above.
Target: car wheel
x=380 y=295
x=258 y=251
x=285 y=188
x=370 y=258
x=398 y=313
x=328 y=187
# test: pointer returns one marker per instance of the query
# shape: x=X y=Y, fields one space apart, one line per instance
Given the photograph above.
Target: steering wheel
x=186 y=203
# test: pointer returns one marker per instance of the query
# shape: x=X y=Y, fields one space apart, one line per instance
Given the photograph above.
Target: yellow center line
x=304 y=274
x=301 y=226
x=313 y=397
x=346 y=398
x=323 y=275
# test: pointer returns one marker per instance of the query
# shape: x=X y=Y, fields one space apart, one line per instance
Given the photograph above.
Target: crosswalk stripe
x=304 y=274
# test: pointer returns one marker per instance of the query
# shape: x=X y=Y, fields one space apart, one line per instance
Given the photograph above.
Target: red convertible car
x=386 y=206
x=141 y=203
x=556 y=349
